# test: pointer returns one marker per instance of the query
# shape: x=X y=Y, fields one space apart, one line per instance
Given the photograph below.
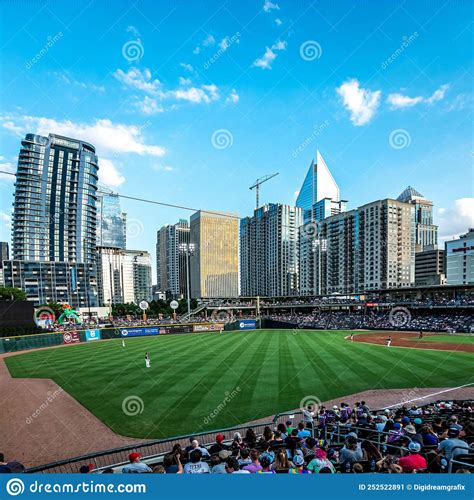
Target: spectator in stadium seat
x=159 y=469
x=250 y=438
x=428 y=437
x=350 y=452
x=453 y=423
x=357 y=468
x=232 y=467
x=282 y=429
x=394 y=469
x=196 y=465
x=266 y=451
x=292 y=442
x=267 y=434
x=289 y=427
x=265 y=466
x=309 y=448
x=447 y=446
x=303 y=433
x=189 y=448
x=218 y=445
x=298 y=468
x=320 y=461
x=437 y=426
x=195 y=446
x=370 y=452
x=254 y=466
x=238 y=442
x=244 y=457
x=135 y=466
x=277 y=440
x=218 y=462
x=410 y=433
x=281 y=463
x=414 y=461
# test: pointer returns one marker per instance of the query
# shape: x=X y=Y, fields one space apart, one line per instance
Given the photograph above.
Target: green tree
x=10 y=293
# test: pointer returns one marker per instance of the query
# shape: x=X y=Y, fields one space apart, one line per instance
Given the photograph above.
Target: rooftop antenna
x=259 y=181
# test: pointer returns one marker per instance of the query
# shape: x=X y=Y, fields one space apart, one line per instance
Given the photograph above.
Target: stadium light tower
x=187 y=249
x=260 y=181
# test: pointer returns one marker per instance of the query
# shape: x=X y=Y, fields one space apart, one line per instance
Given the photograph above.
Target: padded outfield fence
x=69 y=337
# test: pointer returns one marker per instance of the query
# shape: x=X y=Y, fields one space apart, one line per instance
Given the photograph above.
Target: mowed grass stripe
x=190 y=375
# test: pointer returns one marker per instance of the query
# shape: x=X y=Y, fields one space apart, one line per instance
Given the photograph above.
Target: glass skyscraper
x=111 y=222
x=319 y=195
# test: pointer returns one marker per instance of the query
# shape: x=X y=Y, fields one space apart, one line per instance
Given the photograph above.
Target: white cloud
x=6 y=220
x=398 y=101
x=233 y=97
x=206 y=94
x=455 y=220
x=278 y=21
x=105 y=135
x=69 y=80
x=163 y=168
x=207 y=42
x=403 y=101
x=187 y=66
x=268 y=6
x=265 y=62
x=361 y=103
x=140 y=80
x=438 y=94
x=184 y=81
x=149 y=106
x=7 y=167
x=108 y=173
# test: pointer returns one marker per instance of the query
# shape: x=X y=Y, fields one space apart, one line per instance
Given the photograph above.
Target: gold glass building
x=214 y=263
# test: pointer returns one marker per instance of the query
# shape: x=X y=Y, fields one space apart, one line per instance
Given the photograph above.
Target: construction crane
x=259 y=181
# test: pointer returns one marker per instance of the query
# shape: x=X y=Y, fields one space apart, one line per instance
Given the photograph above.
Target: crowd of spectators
x=410 y=321
x=341 y=439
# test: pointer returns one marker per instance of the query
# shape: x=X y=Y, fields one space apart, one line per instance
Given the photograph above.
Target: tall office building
x=426 y=233
x=111 y=222
x=460 y=259
x=124 y=276
x=371 y=247
x=269 y=251
x=215 y=260
x=54 y=219
x=430 y=267
x=171 y=259
x=319 y=194
x=4 y=255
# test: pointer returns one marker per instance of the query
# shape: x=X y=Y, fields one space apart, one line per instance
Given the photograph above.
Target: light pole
x=187 y=249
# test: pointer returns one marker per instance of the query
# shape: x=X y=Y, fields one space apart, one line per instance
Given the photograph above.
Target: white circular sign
x=143 y=305
x=174 y=304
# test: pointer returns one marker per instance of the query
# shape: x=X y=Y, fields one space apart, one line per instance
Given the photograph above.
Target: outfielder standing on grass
x=147 y=360
x=389 y=341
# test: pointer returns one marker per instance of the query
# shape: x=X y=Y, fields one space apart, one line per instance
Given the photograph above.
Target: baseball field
x=207 y=381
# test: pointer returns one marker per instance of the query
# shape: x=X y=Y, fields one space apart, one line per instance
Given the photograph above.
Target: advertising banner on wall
x=139 y=332
x=175 y=329
x=213 y=327
x=92 y=335
x=247 y=324
x=71 y=337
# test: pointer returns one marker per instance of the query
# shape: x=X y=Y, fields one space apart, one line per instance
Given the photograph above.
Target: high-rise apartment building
x=54 y=219
x=426 y=233
x=171 y=259
x=460 y=259
x=371 y=247
x=269 y=251
x=214 y=263
x=430 y=266
x=111 y=222
x=124 y=276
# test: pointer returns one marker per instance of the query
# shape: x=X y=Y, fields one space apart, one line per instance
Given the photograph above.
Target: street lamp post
x=187 y=249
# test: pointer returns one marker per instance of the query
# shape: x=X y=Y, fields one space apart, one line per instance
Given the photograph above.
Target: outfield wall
x=37 y=341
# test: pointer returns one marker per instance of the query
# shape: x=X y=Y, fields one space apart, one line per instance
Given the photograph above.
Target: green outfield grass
x=449 y=339
x=261 y=373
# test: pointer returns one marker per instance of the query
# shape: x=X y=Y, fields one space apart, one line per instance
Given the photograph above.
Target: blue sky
x=190 y=102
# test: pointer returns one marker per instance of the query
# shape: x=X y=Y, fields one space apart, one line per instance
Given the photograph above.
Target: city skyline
x=229 y=98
